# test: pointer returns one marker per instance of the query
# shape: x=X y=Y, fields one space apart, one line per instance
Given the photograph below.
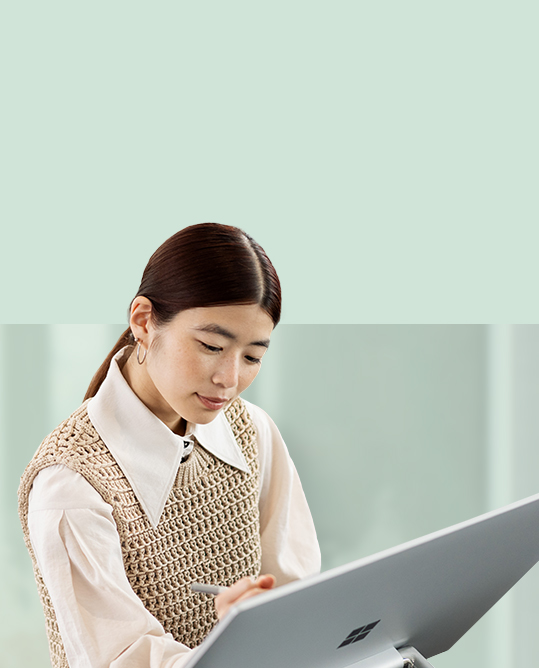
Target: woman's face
x=201 y=360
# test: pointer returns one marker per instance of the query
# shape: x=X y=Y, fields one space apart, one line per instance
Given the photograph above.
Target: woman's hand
x=242 y=590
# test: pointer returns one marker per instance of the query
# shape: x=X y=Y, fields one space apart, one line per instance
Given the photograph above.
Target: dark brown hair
x=203 y=265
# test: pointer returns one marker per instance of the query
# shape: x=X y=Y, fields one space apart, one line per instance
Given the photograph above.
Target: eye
x=253 y=360
x=212 y=349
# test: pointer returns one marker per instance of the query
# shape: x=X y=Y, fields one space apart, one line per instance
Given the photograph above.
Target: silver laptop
x=424 y=594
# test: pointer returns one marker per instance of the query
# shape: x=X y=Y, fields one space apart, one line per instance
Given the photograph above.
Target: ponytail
x=125 y=339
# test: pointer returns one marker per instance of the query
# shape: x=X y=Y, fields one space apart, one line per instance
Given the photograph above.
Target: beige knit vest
x=208 y=532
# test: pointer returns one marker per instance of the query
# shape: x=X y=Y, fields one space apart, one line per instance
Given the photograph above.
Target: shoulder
x=73 y=442
x=70 y=434
x=269 y=437
x=261 y=420
x=241 y=413
x=60 y=488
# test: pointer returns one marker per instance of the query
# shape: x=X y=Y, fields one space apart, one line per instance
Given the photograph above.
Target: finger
x=245 y=584
x=235 y=591
x=252 y=592
x=223 y=607
x=240 y=591
x=265 y=581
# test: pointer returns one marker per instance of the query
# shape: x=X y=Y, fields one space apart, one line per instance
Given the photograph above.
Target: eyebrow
x=217 y=329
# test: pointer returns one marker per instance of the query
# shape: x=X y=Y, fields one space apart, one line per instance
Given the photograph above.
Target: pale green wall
x=384 y=153
x=388 y=426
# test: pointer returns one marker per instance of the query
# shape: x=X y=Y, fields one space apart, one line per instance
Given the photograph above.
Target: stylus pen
x=207 y=589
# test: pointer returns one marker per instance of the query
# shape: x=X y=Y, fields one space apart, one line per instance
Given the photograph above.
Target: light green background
x=384 y=153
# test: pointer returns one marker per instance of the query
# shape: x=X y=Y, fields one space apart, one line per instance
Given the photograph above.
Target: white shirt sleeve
x=102 y=621
x=289 y=545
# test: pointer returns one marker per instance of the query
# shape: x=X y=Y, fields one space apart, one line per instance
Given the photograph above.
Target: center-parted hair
x=203 y=265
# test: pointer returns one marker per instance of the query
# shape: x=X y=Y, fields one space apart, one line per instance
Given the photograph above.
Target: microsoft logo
x=358 y=634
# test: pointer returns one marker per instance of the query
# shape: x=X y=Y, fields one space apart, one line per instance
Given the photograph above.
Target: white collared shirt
x=102 y=621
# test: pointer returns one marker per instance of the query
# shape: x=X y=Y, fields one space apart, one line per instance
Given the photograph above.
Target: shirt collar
x=147 y=451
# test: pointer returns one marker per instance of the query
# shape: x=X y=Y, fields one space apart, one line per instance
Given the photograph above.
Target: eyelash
x=215 y=349
x=253 y=360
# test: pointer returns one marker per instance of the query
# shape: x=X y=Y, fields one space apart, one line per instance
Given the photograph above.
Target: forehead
x=240 y=321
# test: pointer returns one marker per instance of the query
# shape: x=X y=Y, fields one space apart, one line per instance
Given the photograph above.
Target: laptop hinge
x=389 y=658
x=413 y=659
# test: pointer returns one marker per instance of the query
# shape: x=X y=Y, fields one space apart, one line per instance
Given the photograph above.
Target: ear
x=140 y=320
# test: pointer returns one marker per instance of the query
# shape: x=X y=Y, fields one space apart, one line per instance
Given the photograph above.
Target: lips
x=213 y=403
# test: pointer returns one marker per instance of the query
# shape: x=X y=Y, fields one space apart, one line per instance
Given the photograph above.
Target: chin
x=204 y=418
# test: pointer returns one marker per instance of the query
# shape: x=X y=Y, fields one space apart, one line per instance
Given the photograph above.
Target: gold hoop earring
x=138 y=355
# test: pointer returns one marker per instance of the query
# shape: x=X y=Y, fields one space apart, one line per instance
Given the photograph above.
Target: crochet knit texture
x=208 y=532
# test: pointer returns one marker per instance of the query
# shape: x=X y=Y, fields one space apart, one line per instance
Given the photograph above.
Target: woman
x=164 y=476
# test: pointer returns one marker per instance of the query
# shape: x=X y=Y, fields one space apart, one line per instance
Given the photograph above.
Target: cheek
x=248 y=376
x=170 y=373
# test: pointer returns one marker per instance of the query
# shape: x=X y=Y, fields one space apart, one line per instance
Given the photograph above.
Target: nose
x=227 y=373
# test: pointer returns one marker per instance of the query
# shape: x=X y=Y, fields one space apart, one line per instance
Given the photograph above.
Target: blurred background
x=396 y=431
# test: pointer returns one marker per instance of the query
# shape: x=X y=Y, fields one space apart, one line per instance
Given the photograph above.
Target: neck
x=140 y=382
